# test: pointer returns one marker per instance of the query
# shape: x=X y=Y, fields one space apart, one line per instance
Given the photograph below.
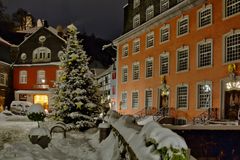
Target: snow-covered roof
x=33 y=92
x=38 y=64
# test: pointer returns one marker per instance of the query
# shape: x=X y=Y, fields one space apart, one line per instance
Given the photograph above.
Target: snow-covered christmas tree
x=77 y=100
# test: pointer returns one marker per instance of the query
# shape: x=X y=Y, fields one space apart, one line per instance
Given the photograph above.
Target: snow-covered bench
x=59 y=127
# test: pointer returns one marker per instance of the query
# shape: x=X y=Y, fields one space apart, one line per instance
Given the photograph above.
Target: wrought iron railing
x=145 y=112
x=206 y=116
x=162 y=112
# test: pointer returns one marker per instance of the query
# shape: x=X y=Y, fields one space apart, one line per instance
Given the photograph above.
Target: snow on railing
x=131 y=141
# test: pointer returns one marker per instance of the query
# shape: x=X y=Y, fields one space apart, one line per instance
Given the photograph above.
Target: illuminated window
x=41 y=77
x=41 y=99
x=204 y=95
x=23 y=77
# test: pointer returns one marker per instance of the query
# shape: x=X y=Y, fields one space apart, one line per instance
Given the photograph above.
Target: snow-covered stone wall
x=131 y=141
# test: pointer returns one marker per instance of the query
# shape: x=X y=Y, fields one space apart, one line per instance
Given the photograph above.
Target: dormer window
x=136 y=20
x=136 y=3
x=41 y=54
x=149 y=12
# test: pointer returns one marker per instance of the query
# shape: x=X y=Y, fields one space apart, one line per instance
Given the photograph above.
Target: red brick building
x=180 y=54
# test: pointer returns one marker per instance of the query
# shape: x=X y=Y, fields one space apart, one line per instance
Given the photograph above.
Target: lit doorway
x=41 y=99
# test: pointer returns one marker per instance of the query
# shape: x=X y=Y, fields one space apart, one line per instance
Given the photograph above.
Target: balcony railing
x=206 y=116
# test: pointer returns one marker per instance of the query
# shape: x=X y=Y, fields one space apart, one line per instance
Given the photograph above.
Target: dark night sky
x=104 y=18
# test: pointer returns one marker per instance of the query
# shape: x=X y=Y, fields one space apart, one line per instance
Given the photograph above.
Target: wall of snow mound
x=147 y=142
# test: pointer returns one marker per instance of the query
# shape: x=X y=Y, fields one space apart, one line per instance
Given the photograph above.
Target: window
x=135 y=99
x=136 y=45
x=41 y=77
x=136 y=3
x=124 y=74
x=182 y=59
x=149 y=12
x=164 y=33
x=182 y=96
x=41 y=54
x=123 y=104
x=183 y=26
x=150 y=39
x=232 y=46
x=135 y=70
x=149 y=67
x=204 y=95
x=231 y=7
x=164 y=57
x=204 y=53
x=58 y=74
x=164 y=5
x=125 y=50
x=23 y=77
x=205 y=16
x=3 y=79
x=148 y=98
x=136 y=20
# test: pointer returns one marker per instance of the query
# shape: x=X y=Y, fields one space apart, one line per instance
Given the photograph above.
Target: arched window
x=42 y=54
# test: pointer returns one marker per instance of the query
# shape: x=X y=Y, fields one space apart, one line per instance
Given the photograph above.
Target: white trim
x=166 y=26
x=137 y=91
x=136 y=40
x=163 y=54
x=150 y=9
x=136 y=63
x=209 y=6
x=176 y=98
x=205 y=41
x=224 y=11
x=148 y=35
x=39 y=64
x=125 y=47
x=182 y=18
x=197 y=94
x=182 y=49
x=137 y=16
x=21 y=75
x=149 y=59
x=232 y=32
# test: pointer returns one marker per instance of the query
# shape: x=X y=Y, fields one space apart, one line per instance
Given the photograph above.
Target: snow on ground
x=15 y=145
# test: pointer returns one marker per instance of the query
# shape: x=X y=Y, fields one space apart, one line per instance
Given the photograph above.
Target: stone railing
x=129 y=141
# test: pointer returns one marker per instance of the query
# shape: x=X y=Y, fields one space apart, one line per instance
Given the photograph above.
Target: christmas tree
x=77 y=101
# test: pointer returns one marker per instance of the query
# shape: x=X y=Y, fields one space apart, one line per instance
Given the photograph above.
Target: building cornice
x=160 y=19
x=39 y=64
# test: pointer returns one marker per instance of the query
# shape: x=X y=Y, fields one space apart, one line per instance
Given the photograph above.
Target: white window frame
x=204 y=42
x=177 y=97
x=145 y=98
x=201 y=94
x=136 y=3
x=23 y=77
x=136 y=46
x=199 y=18
x=183 y=18
x=137 y=104
x=225 y=10
x=162 y=29
x=124 y=101
x=147 y=69
x=177 y=60
x=133 y=71
x=41 y=54
x=41 y=77
x=164 y=54
x=149 y=12
x=124 y=75
x=136 y=21
x=164 y=5
x=229 y=34
x=150 y=40
x=125 y=51
x=3 y=79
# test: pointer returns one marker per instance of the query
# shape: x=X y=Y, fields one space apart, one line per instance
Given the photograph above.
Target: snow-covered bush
x=36 y=113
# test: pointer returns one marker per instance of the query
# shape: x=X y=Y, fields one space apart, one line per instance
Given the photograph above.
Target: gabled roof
x=34 y=30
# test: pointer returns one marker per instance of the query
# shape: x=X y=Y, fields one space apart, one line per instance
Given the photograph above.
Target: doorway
x=232 y=102
x=41 y=99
